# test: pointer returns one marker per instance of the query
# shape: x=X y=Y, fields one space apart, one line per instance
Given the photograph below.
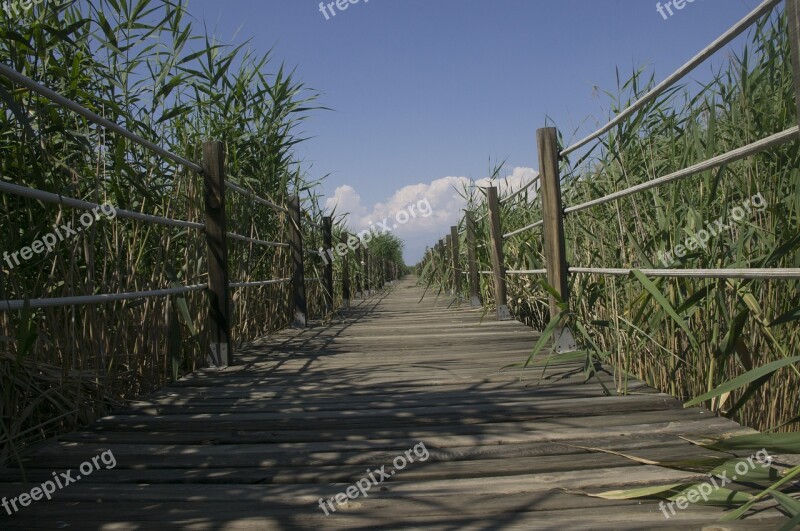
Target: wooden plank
x=308 y=411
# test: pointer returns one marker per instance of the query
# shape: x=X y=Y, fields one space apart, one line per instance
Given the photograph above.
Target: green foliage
x=684 y=336
x=143 y=65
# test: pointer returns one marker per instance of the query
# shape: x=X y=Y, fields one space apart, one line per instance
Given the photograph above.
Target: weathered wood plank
x=306 y=412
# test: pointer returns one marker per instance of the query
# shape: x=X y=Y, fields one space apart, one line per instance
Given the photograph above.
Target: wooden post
x=441 y=252
x=220 y=346
x=472 y=262
x=553 y=215
x=456 y=261
x=367 y=279
x=300 y=305
x=793 y=17
x=346 y=273
x=498 y=258
x=327 y=277
x=359 y=272
x=448 y=244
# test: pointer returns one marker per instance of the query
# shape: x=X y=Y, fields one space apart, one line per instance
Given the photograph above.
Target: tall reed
x=726 y=327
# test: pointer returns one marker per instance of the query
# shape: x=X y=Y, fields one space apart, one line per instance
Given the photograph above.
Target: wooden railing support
x=219 y=322
x=327 y=276
x=299 y=302
x=472 y=263
x=498 y=259
x=367 y=273
x=448 y=246
x=345 y=271
x=359 y=272
x=553 y=215
x=456 y=257
x=442 y=262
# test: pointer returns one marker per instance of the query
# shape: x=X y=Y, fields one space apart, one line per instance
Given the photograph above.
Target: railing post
x=220 y=346
x=359 y=272
x=327 y=243
x=555 y=251
x=498 y=259
x=299 y=304
x=440 y=251
x=553 y=216
x=793 y=17
x=448 y=245
x=472 y=262
x=345 y=272
x=367 y=272
x=456 y=261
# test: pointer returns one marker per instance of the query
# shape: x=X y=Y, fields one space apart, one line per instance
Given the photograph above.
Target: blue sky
x=424 y=90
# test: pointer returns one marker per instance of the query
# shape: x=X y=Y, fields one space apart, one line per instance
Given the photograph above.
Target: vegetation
x=684 y=336
x=143 y=65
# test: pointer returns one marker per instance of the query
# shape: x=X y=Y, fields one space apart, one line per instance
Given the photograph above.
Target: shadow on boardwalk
x=306 y=413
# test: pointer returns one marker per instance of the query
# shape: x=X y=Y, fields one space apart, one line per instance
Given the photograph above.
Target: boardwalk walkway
x=308 y=412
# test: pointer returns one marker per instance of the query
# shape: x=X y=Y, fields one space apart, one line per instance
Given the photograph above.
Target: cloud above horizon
x=447 y=197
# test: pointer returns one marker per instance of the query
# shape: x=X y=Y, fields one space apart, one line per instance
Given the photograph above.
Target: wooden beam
x=299 y=302
x=472 y=262
x=456 y=257
x=346 y=272
x=498 y=258
x=219 y=324
x=451 y=279
x=327 y=274
x=367 y=272
x=359 y=272
x=553 y=215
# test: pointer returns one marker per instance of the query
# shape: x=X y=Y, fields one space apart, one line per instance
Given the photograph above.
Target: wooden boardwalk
x=308 y=412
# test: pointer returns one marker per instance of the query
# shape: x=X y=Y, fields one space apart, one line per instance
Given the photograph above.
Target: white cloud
x=447 y=198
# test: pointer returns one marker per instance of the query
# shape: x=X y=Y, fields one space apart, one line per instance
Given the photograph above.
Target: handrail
x=259 y=283
x=731 y=156
x=515 y=194
x=254 y=197
x=523 y=229
x=12 y=305
x=263 y=243
x=57 y=98
x=754 y=273
x=49 y=197
x=679 y=74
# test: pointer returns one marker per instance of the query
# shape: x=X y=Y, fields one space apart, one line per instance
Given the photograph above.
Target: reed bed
x=724 y=328
x=144 y=65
